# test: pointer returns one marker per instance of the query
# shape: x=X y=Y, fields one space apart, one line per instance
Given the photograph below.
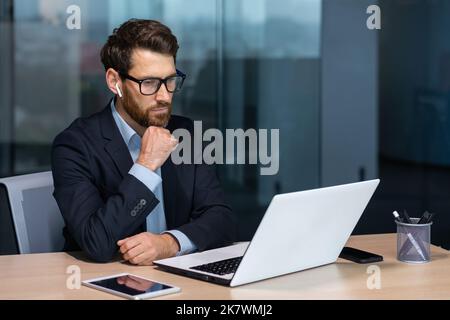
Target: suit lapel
x=114 y=144
x=120 y=155
x=168 y=173
x=170 y=187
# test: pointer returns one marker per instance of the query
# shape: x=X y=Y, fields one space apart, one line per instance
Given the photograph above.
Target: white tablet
x=130 y=286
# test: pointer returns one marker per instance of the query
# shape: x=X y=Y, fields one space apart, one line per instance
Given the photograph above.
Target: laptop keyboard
x=221 y=267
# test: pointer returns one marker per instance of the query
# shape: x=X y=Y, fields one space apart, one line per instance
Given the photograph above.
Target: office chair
x=30 y=220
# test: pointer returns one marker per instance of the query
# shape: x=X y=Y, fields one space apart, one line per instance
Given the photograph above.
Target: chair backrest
x=35 y=216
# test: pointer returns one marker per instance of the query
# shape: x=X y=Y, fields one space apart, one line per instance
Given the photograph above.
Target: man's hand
x=156 y=146
x=143 y=248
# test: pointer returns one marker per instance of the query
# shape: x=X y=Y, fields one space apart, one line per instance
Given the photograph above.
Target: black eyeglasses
x=150 y=86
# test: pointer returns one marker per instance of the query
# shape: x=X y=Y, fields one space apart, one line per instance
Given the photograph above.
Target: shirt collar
x=126 y=131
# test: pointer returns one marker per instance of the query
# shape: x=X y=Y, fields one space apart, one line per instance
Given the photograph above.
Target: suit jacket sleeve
x=96 y=224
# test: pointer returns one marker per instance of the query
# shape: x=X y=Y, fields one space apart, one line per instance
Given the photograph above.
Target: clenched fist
x=156 y=146
x=143 y=248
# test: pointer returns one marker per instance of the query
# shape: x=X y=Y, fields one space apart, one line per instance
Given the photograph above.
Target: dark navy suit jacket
x=101 y=203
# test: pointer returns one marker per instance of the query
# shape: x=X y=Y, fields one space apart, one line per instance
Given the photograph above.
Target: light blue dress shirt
x=156 y=220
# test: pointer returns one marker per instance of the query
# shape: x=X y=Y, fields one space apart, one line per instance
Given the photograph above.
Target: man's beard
x=144 y=117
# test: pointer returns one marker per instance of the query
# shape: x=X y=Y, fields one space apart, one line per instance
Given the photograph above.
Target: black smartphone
x=359 y=256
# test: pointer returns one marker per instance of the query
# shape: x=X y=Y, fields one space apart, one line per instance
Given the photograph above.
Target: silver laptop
x=300 y=230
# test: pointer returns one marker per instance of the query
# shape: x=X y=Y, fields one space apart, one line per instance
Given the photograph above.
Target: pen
x=426 y=217
x=416 y=245
x=407 y=218
x=397 y=216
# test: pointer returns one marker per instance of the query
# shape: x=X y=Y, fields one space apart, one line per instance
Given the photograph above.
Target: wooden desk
x=43 y=276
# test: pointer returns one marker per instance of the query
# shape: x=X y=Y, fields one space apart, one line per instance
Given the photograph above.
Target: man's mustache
x=160 y=105
x=164 y=104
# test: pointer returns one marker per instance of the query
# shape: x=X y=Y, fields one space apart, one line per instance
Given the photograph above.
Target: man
x=115 y=183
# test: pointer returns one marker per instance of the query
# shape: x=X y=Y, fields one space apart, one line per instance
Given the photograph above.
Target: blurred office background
x=351 y=103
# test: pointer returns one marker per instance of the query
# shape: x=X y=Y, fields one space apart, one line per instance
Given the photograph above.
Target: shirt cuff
x=186 y=245
x=146 y=176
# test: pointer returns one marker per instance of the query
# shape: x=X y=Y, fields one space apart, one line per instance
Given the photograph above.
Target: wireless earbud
x=118 y=90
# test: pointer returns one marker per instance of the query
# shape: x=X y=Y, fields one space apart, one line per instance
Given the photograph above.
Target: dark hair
x=133 y=34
